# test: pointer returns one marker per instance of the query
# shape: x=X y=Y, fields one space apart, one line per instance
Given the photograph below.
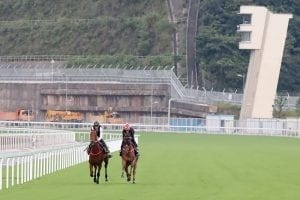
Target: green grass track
x=184 y=167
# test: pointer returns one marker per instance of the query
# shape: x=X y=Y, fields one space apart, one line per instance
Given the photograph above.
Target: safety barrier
x=18 y=170
x=22 y=161
x=22 y=138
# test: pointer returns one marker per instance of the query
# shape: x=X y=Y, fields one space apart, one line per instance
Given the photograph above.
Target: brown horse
x=129 y=159
x=96 y=157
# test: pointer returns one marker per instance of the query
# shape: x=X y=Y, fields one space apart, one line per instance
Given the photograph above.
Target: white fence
x=22 y=138
x=27 y=154
x=18 y=170
x=278 y=127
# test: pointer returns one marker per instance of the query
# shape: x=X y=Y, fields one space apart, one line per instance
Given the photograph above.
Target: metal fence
x=50 y=72
x=278 y=127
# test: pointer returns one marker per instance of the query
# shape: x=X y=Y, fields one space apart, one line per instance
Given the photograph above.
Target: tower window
x=246 y=18
x=245 y=36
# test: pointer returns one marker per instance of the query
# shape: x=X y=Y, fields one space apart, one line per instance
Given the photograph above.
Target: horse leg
x=105 y=166
x=91 y=170
x=133 y=173
x=127 y=173
x=123 y=168
x=98 y=173
x=95 y=172
x=134 y=164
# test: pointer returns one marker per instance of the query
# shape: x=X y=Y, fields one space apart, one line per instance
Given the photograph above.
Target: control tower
x=264 y=33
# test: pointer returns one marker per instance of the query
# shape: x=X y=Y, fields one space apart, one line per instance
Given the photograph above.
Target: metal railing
x=58 y=73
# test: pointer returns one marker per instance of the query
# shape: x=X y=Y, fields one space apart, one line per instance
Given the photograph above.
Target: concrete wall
x=131 y=100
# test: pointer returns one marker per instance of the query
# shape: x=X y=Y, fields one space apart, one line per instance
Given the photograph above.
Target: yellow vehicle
x=19 y=115
x=108 y=117
x=111 y=118
x=63 y=116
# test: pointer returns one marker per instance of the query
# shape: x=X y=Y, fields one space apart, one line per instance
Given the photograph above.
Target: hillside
x=90 y=27
x=139 y=33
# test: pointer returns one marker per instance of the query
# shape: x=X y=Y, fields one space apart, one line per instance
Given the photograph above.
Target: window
x=245 y=36
x=92 y=100
x=246 y=18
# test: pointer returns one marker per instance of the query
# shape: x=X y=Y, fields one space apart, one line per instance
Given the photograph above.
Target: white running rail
x=21 y=160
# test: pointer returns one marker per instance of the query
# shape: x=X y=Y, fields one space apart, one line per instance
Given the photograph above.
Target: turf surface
x=184 y=167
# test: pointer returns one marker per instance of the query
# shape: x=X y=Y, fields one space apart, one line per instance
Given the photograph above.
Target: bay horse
x=96 y=157
x=129 y=159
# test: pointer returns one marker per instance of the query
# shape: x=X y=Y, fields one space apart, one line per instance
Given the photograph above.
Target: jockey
x=128 y=131
x=99 y=131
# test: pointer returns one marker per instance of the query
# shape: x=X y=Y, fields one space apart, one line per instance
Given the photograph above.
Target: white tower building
x=264 y=33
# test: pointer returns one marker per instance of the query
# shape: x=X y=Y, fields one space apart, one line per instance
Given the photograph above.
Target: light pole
x=169 y=110
x=242 y=76
x=66 y=94
x=151 y=100
x=52 y=63
x=151 y=110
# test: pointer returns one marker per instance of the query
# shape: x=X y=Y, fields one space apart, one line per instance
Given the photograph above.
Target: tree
x=279 y=103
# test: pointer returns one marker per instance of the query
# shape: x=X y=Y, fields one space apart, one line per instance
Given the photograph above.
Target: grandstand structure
x=134 y=92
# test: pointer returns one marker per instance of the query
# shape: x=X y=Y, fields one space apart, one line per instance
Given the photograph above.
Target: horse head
x=93 y=136
x=127 y=144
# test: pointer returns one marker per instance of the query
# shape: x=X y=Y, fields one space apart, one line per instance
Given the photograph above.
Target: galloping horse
x=129 y=159
x=96 y=157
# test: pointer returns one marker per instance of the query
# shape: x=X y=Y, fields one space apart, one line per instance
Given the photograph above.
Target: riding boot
x=136 y=151
x=120 y=152
x=107 y=152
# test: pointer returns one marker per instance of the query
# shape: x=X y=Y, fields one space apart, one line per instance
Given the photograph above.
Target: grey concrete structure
x=131 y=100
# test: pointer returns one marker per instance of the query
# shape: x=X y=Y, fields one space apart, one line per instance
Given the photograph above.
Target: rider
x=128 y=131
x=99 y=131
